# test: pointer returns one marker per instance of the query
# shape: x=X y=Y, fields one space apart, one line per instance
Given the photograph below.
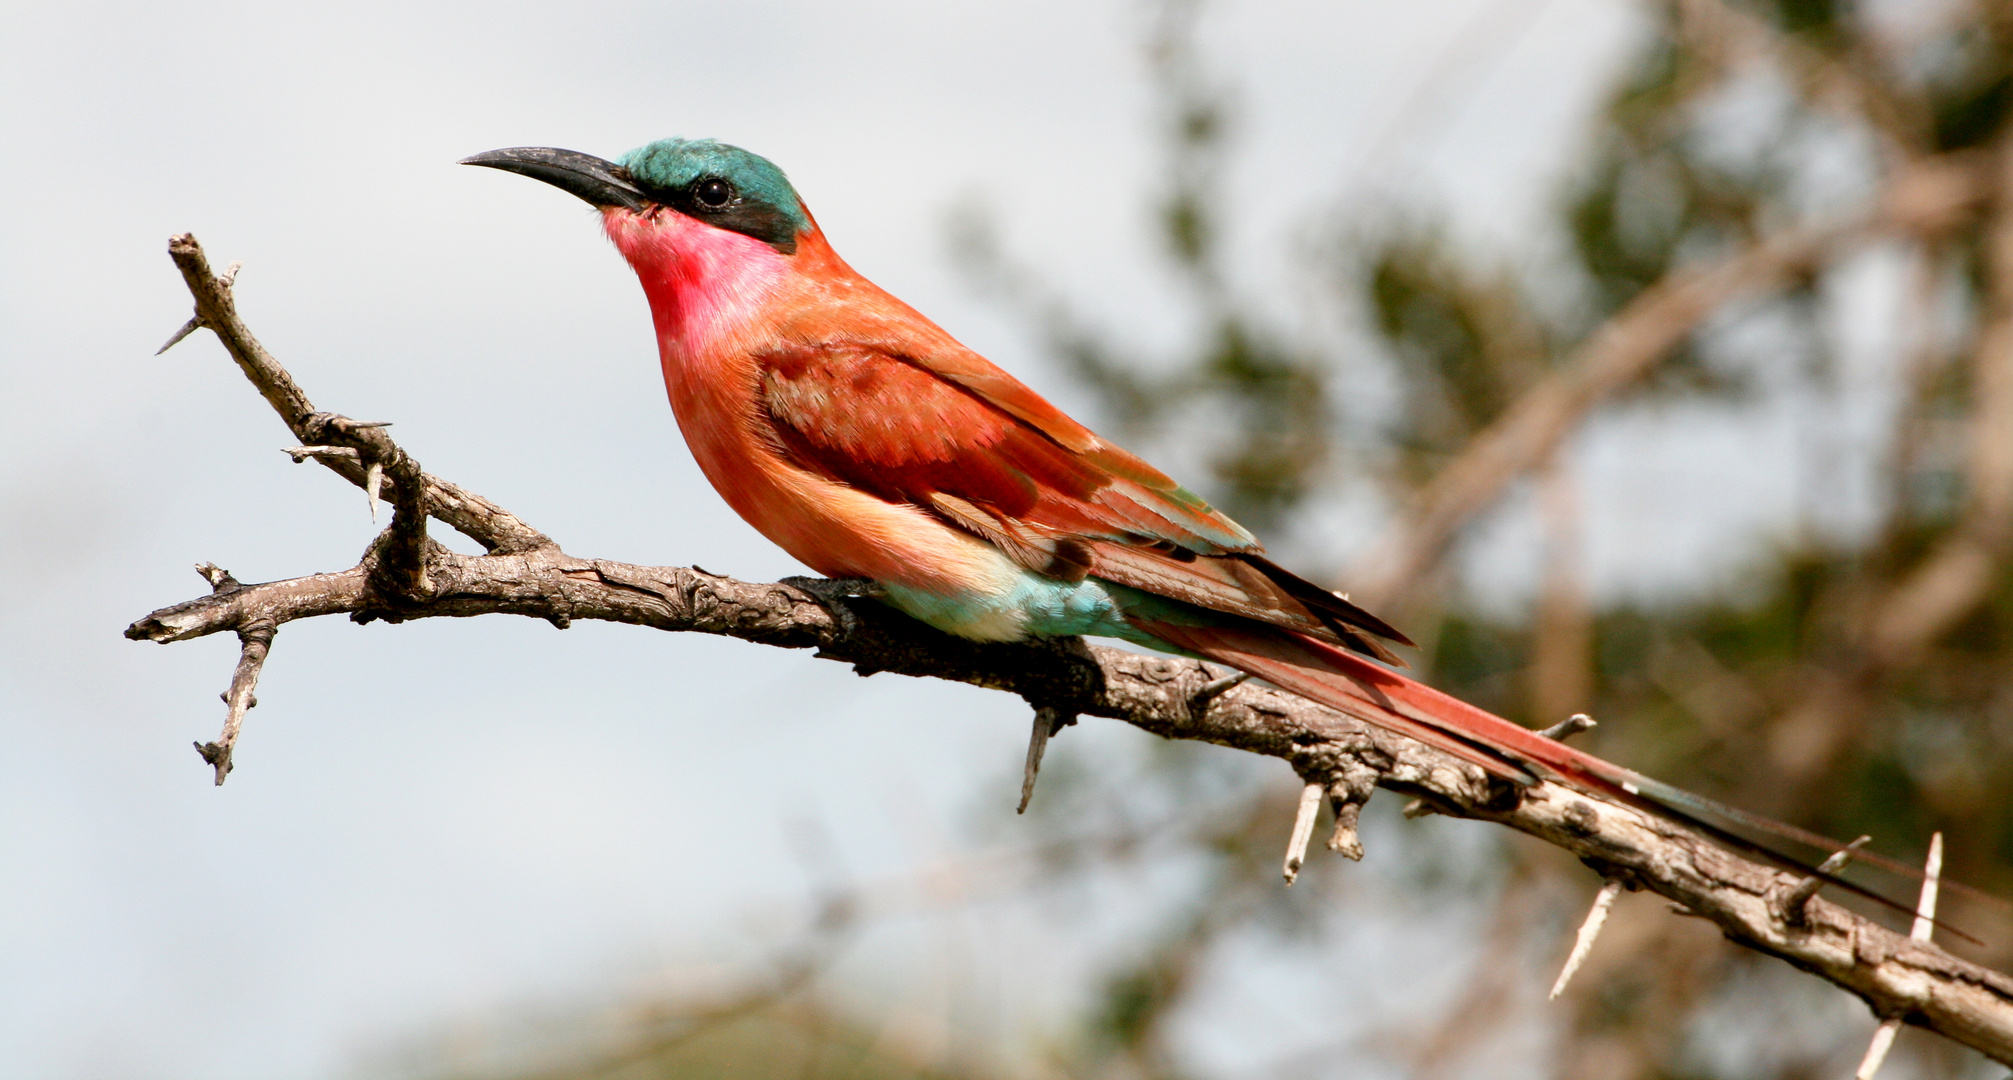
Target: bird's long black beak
x=601 y=183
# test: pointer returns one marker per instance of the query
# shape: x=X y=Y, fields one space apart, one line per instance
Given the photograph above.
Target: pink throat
x=703 y=283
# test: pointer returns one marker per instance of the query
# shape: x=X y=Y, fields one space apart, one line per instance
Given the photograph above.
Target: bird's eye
x=713 y=193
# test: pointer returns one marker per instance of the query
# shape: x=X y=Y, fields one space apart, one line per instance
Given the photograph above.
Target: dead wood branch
x=255 y=637
x=472 y=515
x=527 y=574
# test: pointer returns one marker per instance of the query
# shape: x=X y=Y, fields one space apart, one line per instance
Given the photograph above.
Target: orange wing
x=989 y=456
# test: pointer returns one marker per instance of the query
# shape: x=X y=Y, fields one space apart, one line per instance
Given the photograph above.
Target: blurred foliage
x=781 y=1041
x=1788 y=690
x=1272 y=396
x=1858 y=679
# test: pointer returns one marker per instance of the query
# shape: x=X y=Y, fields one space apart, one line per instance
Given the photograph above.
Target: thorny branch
x=255 y=636
x=470 y=514
x=406 y=576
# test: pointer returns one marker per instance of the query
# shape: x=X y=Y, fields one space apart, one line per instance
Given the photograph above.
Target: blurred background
x=1653 y=360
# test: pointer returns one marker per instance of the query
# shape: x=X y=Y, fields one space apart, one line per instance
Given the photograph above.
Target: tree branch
x=527 y=574
x=468 y=513
x=1895 y=630
x=1623 y=351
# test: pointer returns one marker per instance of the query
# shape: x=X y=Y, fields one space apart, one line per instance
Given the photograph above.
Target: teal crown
x=676 y=165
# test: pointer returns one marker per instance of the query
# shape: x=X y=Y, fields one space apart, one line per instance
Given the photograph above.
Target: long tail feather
x=1359 y=688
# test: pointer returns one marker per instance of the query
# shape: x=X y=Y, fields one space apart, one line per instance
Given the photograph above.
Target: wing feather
x=966 y=441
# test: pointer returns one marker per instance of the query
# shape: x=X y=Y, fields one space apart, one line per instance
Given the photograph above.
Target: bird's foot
x=832 y=594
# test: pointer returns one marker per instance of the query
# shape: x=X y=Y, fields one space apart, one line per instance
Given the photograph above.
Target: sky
x=432 y=822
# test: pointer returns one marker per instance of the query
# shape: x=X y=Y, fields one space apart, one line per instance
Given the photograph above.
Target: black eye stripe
x=717 y=201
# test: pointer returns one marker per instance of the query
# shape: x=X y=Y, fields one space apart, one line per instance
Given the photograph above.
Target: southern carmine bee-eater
x=868 y=443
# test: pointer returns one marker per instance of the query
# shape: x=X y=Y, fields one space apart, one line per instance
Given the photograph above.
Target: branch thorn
x=1795 y=904
x=1925 y=924
x=1047 y=722
x=1583 y=944
x=1303 y=830
x=194 y=324
x=302 y=453
x=1569 y=727
x=1216 y=688
x=373 y=482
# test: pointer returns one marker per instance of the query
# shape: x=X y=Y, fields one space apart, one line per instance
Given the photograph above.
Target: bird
x=867 y=442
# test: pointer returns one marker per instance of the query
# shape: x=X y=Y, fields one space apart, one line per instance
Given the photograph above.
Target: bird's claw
x=832 y=594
